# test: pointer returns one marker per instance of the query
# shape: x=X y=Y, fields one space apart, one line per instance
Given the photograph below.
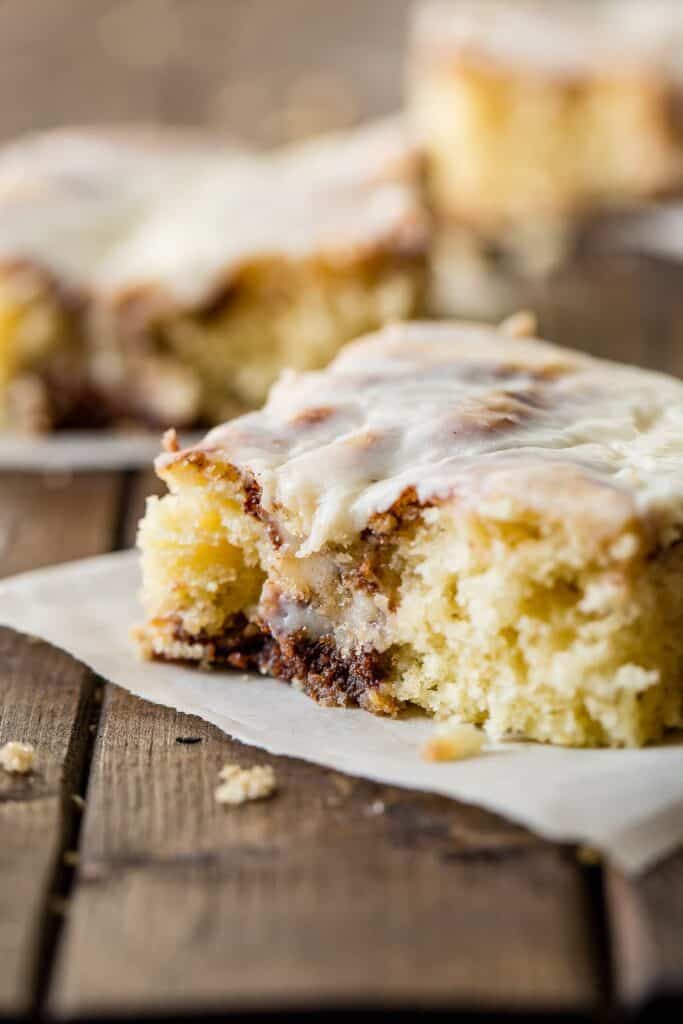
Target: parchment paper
x=627 y=803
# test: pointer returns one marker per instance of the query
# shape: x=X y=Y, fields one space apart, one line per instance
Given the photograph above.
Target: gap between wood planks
x=74 y=788
x=59 y=891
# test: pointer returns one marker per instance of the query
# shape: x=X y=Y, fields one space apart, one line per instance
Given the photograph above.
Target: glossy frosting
x=558 y=37
x=121 y=211
x=467 y=412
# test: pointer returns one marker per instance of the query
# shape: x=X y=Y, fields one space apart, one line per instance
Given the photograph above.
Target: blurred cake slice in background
x=42 y=368
x=67 y=199
x=537 y=118
x=157 y=277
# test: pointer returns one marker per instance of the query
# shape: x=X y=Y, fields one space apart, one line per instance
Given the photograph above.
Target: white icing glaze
x=557 y=37
x=464 y=411
x=112 y=212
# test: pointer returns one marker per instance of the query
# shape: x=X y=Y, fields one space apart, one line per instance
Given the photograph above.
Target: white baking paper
x=83 y=451
x=627 y=803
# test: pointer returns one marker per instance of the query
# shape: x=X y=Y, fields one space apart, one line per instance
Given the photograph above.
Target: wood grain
x=646 y=917
x=46 y=699
x=615 y=306
x=140 y=487
x=335 y=892
x=611 y=307
x=54 y=518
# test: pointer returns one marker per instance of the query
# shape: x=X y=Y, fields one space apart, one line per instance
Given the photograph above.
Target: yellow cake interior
x=496 y=617
x=196 y=367
x=505 y=143
x=40 y=349
x=283 y=313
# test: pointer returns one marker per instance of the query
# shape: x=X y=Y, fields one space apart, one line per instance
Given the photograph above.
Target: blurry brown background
x=268 y=70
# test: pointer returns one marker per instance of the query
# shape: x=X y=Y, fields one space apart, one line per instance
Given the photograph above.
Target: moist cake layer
x=200 y=269
x=546 y=110
x=483 y=525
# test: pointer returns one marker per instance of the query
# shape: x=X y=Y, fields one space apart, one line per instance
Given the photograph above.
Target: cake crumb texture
x=17 y=758
x=241 y=785
x=453 y=741
x=534 y=110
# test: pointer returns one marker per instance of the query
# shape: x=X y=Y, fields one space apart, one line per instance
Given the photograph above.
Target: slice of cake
x=67 y=199
x=541 y=123
x=451 y=516
x=159 y=277
x=535 y=108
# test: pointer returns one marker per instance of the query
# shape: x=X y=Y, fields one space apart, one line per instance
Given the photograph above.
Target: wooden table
x=124 y=889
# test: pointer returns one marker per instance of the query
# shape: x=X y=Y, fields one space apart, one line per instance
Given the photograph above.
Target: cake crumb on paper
x=240 y=785
x=520 y=325
x=17 y=758
x=453 y=741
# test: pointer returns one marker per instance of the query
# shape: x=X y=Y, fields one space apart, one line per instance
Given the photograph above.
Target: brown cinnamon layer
x=317 y=666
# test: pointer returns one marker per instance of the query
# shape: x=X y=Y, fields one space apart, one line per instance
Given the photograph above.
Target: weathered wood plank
x=46 y=700
x=335 y=892
x=647 y=937
x=613 y=306
x=142 y=484
x=610 y=307
x=54 y=518
x=217 y=62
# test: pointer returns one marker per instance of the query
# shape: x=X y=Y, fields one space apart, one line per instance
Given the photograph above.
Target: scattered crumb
x=520 y=325
x=17 y=757
x=169 y=441
x=239 y=785
x=453 y=741
x=376 y=808
x=342 y=784
x=78 y=801
x=588 y=855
